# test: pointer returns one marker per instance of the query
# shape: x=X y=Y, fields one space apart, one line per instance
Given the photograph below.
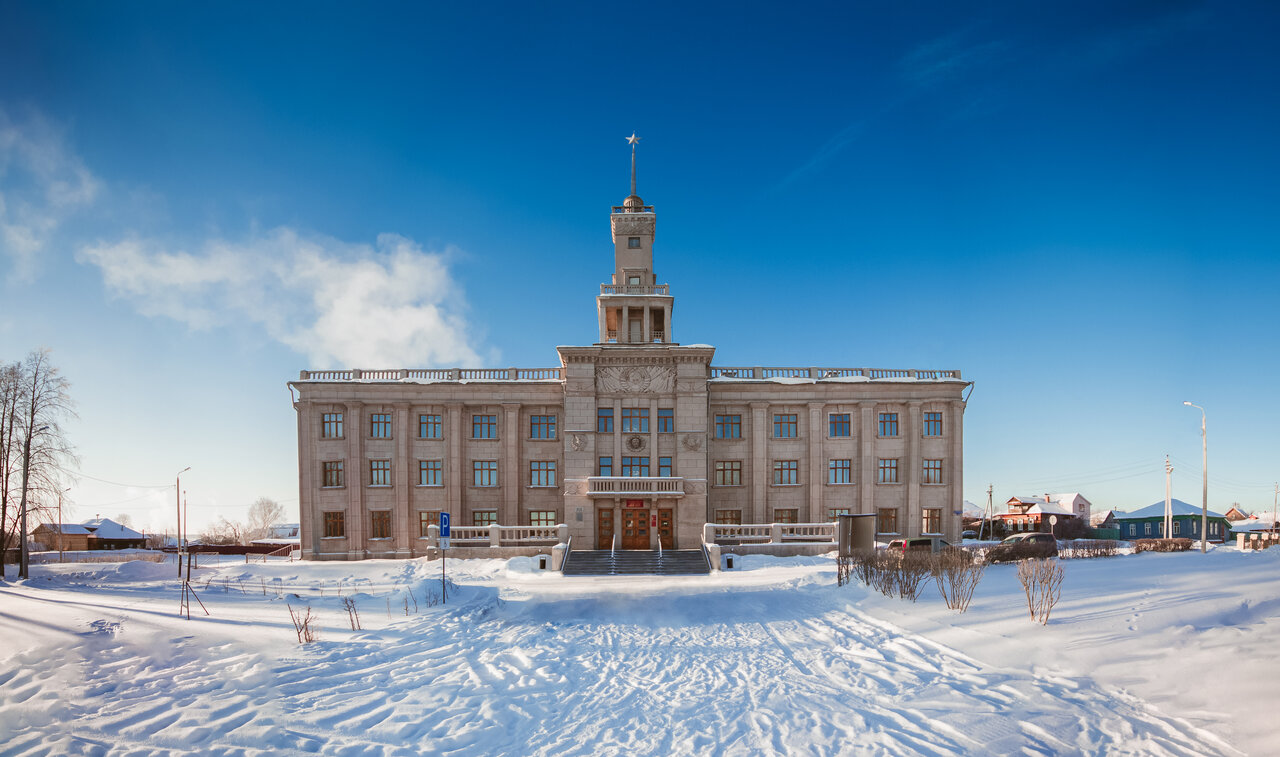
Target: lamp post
x=61 y=533
x=23 y=567
x=1204 y=499
x=177 y=497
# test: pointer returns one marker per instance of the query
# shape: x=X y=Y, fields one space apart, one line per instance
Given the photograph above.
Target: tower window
x=633 y=242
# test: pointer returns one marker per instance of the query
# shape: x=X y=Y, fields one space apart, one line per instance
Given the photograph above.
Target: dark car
x=926 y=544
x=1023 y=546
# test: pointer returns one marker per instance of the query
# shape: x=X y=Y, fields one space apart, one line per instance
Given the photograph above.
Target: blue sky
x=1072 y=203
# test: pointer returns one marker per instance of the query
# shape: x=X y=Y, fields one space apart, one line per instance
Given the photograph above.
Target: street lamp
x=23 y=566
x=61 y=533
x=177 y=497
x=1204 y=499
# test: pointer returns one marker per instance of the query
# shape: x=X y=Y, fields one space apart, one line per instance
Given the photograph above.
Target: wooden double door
x=635 y=528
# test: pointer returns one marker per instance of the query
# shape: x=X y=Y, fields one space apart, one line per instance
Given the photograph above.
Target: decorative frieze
x=639 y=379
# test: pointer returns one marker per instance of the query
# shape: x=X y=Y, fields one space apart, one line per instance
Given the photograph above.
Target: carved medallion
x=636 y=443
x=692 y=442
x=636 y=379
x=578 y=442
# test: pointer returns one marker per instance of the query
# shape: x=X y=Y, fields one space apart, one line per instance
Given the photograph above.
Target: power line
x=78 y=474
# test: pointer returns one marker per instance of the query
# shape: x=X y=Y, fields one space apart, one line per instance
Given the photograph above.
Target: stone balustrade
x=501 y=536
x=769 y=533
x=663 y=289
x=555 y=374
x=435 y=374
x=635 y=486
x=817 y=374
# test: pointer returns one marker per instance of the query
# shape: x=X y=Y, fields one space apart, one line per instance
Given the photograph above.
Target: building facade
x=634 y=441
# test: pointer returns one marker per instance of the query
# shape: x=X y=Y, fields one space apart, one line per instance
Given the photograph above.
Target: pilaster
x=867 y=458
x=404 y=471
x=914 y=470
x=355 y=464
x=759 y=463
x=817 y=466
x=510 y=465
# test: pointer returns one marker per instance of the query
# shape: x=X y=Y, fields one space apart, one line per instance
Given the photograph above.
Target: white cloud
x=352 y=305
x=41 y=184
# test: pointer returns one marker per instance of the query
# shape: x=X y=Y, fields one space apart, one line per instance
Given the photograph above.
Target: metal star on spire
x=631 y=140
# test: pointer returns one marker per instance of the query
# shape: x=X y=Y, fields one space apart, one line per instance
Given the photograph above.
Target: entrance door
x=635 y=529
x=666 y=529
x=604 y=528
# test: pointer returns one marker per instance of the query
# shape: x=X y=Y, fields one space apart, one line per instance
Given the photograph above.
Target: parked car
x=930 y=544
x=1023 y=546
x=968 y=534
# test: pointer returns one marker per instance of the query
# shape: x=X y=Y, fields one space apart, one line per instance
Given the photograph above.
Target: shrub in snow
x=957 y=575
x=1088 y=548
x=1161 y=545
x=893 y=574
x=1042 y=582
x=302 y=624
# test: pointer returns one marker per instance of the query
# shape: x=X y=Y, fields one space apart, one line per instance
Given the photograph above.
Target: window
x=728 y=426
x=932 y=472
x=430 y=427
x=484 y=427
x=786 y=472
x=332 y=473
x=331 y=426
x=604 y=420
x=933 y=520
x=839 y=424
x=784 y=426
x=888 y=471
x=728 y=473
x=664 y=467
x=1213 y=529
x=542 y=518
x=888 y=424
x=426 y=519
x=786 y=515
x=635 y=420
x=380 y=425
x=484 y=518
x=542 y=427
x=933 y=424
x=729 y=517
x=1177 y=526
x=380 y=524
x=484 y=472
x=633 y=242
x=379 y=473
x=542 y=473
x=430 y=473
x=606 y=466
x=887 y=520
x=835 y=512
x=839 y=472
x=335 y=525
x=1146 y=528
x=666 y=420
x=635 y=466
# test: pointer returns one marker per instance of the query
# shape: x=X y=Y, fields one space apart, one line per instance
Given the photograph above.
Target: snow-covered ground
x=1145 y=654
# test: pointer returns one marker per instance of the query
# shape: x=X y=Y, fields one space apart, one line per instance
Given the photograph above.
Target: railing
x=435 y=374
x=637 y=209
x=501 y=536
x=635 y=289
x=817 y=374
x=769 y=533
x=635 y=485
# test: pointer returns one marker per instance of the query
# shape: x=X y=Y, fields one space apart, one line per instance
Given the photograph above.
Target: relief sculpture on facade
x=636 y=379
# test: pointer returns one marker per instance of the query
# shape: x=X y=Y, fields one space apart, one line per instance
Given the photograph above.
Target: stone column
x=356 y=466
x=666 y=324
x=404 y=470
x=955 y=484
x=311 y=519
x=646 y=325
x=759 y=462
x=653 y=437
x=455 y=467
x=617 y=437
x=817 y=466
x=510 y=465
x=914 y=470
x=624 y=328
x=867 y=447
x=603 y=317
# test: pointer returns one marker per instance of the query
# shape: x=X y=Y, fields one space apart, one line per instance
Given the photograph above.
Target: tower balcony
x=624 y=289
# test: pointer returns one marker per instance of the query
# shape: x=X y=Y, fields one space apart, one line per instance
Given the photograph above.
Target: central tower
x=633 y=308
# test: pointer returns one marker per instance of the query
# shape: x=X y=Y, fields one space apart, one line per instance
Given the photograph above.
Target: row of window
x=787 y=472
x=1194 y=530
x=787 y=425
x=634 y=466
x=635 y=420
x=886 y=518
x=431 y=426
x=335 y=523
x=542 y=473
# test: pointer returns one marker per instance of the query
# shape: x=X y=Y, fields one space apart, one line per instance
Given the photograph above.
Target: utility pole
x=1168 y=499
x=1275 y=508
x=986 y=513
x=177 y=502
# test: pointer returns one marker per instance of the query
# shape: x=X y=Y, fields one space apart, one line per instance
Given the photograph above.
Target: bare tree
x=224 y=532
x=35 y=400
x=263 y=514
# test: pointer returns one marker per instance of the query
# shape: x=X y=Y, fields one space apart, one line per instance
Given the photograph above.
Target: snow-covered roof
x=1157 y=511
x=1049 y=508
x=70 y=529
x=1032 y=500
x=1070 y=499
x=1251 y=524
x=105 y=528
x=1100 y=517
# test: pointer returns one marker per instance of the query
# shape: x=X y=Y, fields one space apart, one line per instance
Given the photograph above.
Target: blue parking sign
x=444 y=525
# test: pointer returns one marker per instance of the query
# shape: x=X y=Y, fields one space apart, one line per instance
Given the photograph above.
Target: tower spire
x=633 y=139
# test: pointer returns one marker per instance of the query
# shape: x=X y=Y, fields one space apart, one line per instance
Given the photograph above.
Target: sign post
x=444 y=545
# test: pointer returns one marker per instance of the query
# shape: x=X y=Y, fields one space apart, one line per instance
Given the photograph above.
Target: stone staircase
x=603 y=562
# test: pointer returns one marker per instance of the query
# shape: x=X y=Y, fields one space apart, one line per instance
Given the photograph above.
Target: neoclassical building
x=636 y=440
